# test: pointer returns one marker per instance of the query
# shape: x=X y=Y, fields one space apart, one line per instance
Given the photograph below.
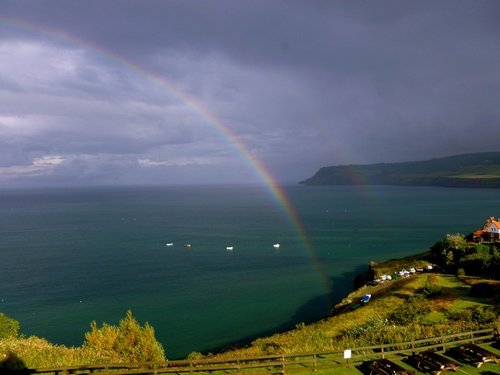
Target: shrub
x=432 y=286
x=460 y=315
x=481 y=315
x=484 y=314
x=478 y=261
x=411 y=311
x=8 y=327
x=195 y=356
x=127 y=342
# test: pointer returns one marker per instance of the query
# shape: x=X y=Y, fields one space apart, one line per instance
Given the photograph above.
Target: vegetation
x=420 y=306
x=8 y=327
x=35 y=352
x=455 y=255
x=424 y=305
x=480 y=170
x=432 y=287
x=126 y=343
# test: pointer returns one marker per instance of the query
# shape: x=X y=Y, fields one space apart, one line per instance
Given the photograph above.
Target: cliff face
x=481 y=170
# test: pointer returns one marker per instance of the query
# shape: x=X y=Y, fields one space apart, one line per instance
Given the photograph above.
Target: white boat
x=229 y=248
x=276 y=245
x=187 y=245
x=169 y=244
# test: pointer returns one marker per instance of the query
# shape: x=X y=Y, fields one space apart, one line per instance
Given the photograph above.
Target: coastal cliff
x=479 y=170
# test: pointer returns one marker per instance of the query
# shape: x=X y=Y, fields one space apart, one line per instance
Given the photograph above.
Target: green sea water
x=71 y=256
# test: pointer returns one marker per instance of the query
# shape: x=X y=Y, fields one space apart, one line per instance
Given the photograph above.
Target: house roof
x=492 y=221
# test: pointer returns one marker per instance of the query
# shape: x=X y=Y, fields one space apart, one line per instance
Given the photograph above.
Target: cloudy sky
x=197 y=91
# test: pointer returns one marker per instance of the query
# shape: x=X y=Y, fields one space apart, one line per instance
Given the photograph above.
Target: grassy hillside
x=398 y=311
x=421 y=305
x=128 y=342
x=481 y=170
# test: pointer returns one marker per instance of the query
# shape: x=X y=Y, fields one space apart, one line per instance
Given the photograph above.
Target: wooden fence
x=276 y=364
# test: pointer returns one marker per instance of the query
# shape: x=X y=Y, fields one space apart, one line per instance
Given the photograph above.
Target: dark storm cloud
x=301 y=83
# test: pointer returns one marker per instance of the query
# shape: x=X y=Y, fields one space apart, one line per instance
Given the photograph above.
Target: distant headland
x=478 y=170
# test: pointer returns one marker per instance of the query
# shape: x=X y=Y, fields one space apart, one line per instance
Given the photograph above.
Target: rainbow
x=255 y=165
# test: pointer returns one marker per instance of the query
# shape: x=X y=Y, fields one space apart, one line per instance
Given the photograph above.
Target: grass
x=34 y=352
x=394 y=265
x=485 y=369
x=434 y=317
x=348 y=369
x=477 y=175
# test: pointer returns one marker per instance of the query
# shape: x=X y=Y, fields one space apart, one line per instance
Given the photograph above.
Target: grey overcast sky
x=300 y=84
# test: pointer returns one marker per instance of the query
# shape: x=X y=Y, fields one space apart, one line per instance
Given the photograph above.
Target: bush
x=478 y=261
x=432 y=286
x=127 y=342
x=8 y=327
x=459 y=316
x=411 y=311
x=484 y=314
x=481 y=315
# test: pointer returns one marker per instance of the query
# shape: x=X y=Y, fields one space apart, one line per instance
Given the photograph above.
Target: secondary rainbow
x=253 y=162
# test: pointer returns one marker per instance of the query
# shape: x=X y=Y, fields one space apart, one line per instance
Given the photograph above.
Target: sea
x=70 y=256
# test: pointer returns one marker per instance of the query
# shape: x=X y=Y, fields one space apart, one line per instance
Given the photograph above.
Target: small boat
x=276 y=245
x=169 y=244
x=229 y=248
x=187 y=245
x=366 y=298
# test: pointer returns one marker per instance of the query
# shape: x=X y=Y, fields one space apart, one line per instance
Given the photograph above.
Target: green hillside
x=480 y=170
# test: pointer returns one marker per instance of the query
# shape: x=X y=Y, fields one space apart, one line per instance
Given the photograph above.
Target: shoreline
x=343 y=305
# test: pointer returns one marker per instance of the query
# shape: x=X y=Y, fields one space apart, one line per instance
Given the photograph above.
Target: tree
x=127 y=342
x=478 y=261
x=448 y=252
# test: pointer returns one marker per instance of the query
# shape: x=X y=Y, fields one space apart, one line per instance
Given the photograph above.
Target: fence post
x=314 y=363
x=283 y=364
x=382 y=350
